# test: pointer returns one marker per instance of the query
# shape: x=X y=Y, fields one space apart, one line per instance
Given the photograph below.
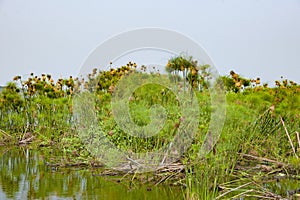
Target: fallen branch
x=232 y=190
x=164 y=179
x=77 y=164
x=288 y=135
x=263 y=159
x=241 y=194
x=5 y=134
x=27 y=140
x=268 y=193
x=261 y=197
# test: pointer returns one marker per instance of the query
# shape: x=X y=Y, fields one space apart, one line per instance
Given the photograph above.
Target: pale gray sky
x=253 y=37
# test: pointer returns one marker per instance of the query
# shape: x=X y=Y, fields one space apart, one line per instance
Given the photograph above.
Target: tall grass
x=252 y=127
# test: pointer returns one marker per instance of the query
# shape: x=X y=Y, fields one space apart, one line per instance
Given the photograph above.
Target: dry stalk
x=232 y=190
x=298 y=138
x=5 y=134
x=263 y=159
x=288 y=135
x=241 y=194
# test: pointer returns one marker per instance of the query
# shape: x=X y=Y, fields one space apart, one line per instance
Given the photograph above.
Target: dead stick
x=298 y=138
x=232 y=190
x=243 y=193
x=288 y=135
x=263 y=159
x=5 y=134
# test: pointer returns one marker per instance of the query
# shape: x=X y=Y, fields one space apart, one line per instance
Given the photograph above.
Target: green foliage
x=197 y=76
x=252 y=126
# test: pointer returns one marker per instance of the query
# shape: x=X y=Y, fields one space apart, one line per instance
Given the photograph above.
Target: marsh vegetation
x=258 y=149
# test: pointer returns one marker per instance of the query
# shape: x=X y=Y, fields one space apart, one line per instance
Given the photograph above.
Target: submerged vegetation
x=259 y=142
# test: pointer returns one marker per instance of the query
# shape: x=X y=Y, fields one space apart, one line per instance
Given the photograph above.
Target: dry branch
x=298 y=138
x=288 y=135
x=263 y=159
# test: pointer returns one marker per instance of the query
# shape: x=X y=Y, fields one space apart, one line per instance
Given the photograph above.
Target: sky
x=255 y=38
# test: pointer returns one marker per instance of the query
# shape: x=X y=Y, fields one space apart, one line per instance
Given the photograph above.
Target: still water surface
x=25 y=175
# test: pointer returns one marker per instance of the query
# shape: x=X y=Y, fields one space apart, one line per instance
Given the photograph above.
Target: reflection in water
x=24 y=175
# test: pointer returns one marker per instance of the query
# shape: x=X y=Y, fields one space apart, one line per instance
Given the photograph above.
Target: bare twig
x=5 y=134
x=232 y=190
x=166 y=154
x=241 y=194
x=260 y=197
x=164 y=179
x=27 y=140
x=263 y=159
x=267 y=192
x=298 y=138
x=133 y=161
x=288 y=135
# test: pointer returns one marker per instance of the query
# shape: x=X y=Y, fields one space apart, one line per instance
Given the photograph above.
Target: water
x=25 y=175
